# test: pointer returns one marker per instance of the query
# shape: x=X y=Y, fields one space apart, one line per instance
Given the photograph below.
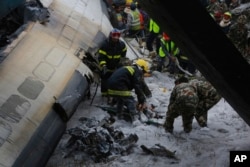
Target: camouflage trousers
x=187 y=113
x=202 y=109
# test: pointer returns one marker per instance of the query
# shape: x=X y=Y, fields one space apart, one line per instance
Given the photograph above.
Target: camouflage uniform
x=183 y=101
x=208 y=97
x=213 y=6
x=238 y=33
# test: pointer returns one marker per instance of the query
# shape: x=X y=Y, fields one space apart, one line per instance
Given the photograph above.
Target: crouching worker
x=183 y=101
x=122 y=82
x=208 y=97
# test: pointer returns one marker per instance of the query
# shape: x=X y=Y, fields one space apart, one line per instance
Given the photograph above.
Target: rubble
x=98 y=141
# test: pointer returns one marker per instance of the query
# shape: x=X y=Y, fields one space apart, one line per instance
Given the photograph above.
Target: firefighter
x=133 y=26
x=154 y=31
x=225 y=23
x=121 y=84
x=168 y=48
x=110 y=57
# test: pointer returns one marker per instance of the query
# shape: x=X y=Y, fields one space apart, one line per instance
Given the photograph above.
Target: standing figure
x=133 y=21
x=117 y=17
x=111 y=53
x=154 y=31
x=238 y=34
x=234 y=4
x=225 y=23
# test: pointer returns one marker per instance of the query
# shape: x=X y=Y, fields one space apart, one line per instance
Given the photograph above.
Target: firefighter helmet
x=143 y=64
x=115 y=34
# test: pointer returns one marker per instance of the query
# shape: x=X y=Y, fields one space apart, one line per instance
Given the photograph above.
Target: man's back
x=184 y=94
x=204 y=89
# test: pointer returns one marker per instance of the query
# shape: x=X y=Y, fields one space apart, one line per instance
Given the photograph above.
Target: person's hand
x=173 y=58
x=141 y=106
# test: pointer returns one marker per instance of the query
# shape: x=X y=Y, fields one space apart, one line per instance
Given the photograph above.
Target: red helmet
x=115 y=34
x=165 y=36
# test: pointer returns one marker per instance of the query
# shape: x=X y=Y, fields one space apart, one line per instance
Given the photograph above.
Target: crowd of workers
x=234 y=26
x=190 y=98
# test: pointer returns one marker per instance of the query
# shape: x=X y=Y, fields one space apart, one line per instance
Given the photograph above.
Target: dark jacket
x=124 y=80
x=111 y=53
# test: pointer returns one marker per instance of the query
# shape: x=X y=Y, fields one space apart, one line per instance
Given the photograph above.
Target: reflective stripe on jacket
x=110 y=54
x=124 y=80
x=135 y=22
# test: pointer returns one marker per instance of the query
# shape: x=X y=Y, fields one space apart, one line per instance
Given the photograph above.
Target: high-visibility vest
x=170 y=46
x=153 y=26
x=136 y=24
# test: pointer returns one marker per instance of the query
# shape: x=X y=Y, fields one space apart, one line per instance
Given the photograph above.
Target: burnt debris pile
x=97 y=141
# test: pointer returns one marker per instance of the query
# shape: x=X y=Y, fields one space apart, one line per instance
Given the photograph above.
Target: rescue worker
x=121 y=84
x=133 y=26
x=117 y=17
x=183 y=101
x=144 y=19
x=154 y=31
x=238 y=34
x=234 y=4
x=225 y=23
x=168 y=48
x=111 y=54
x=215 y=9
x=208 y=97
x=163 y=52
x=213 y=6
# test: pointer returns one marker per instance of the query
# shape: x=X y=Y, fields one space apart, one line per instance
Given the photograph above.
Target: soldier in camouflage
x=183 y=101
x=213 y=6
x=190 y=99
x=208 y=97
x=238 y=34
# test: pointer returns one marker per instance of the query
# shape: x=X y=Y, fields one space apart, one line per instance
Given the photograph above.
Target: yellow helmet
x=228 y=14
x=143 y=64
x=128 y=2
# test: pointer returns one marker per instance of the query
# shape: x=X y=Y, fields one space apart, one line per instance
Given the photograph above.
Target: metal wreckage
x=98 y=141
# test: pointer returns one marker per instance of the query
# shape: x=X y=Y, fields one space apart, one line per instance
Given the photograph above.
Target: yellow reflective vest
x=153 y=26
x=169 y=46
